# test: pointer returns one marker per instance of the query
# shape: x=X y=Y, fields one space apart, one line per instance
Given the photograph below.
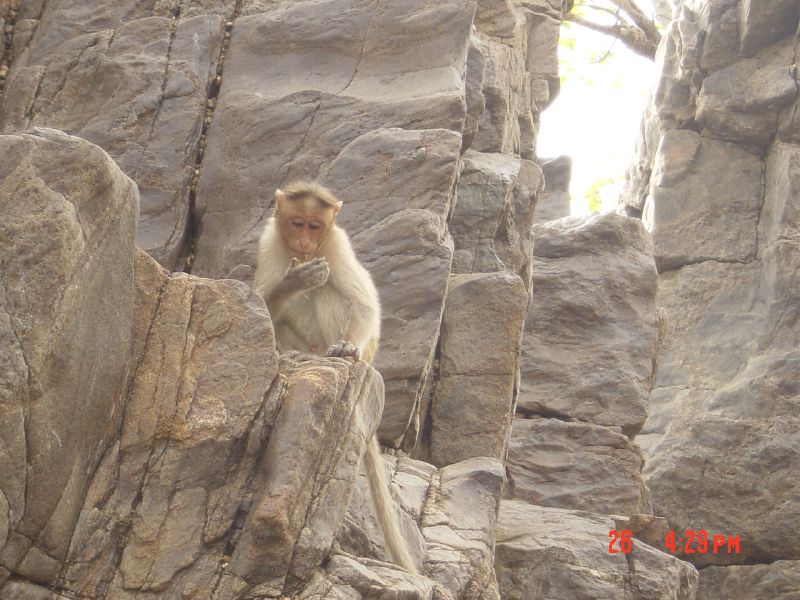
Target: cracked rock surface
x=153 y=444
x=717 y=176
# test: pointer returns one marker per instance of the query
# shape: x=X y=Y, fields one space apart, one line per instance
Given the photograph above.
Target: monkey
x=323 y=301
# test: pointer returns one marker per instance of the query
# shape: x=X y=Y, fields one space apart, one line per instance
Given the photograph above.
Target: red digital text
x=700 y=542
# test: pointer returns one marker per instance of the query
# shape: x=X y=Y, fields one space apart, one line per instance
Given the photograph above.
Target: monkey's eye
x=297 y=222
x=314 y=225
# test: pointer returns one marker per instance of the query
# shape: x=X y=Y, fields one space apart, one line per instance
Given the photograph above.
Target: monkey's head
x=305 y=214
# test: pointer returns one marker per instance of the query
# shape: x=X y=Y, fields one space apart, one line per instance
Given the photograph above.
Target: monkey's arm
x=298 y=279
x=359 y=333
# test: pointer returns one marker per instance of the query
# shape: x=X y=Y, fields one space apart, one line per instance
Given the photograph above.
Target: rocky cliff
x=153 y=444
x=717 y=180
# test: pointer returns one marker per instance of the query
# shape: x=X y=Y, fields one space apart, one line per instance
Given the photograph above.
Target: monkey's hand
x=344 y=349
x=307 y=276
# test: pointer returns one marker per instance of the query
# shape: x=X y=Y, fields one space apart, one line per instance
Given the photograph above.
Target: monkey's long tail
x=379 y=488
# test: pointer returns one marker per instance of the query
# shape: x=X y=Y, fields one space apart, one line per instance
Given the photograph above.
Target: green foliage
x=599 y=192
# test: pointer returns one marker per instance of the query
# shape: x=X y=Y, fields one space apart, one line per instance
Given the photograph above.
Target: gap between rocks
x=190 y=235
x=9 y=22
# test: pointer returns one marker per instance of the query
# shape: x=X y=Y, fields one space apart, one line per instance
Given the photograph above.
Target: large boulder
x=591 y=329
x=776 y=581
x=478 y=367
x=66 y=290
x=552 y=554
x=575 y=465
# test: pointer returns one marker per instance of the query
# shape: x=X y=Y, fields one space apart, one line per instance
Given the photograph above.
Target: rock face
x=210 y=467
x=552 y=553
x=591 y=328
x=587 y=359
x=576 y=465
x=717 y=177
x=131 y=80
x=153 y=443
x=196 y=463
x=210 y=106
x=66 y=287
x=756 y=582
x=477 y=367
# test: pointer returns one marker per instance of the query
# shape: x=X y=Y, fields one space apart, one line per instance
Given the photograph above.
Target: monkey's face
x=304 y=225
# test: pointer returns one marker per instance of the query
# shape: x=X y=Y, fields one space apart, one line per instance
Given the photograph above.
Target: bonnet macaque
x=323 y=301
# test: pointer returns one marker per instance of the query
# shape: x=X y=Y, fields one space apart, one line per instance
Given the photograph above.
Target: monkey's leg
x=344 y=349
x=384 y=507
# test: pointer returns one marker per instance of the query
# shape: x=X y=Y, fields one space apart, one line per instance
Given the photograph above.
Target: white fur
x=345 y=308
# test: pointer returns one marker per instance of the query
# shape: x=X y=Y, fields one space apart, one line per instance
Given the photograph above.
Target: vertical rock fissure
x=304 y=139
x=372 y=10
x=187 y=252
x=173 y=28
x=26 y=406
x=30 y=110
x=760 y=212
x=432 y=499
x=154 y=466
x=9 y=19
x=124 y=534
x=231 y=537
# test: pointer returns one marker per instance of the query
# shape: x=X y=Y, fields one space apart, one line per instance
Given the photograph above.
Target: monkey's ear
x=337 y=206
x=278 y=197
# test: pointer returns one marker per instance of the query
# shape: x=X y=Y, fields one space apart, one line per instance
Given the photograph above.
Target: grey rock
x=776 y=581
x=371 y=579
x=22 y=590
x=459 y=521
x=764 y=22
x=475 y=100
x=780 y=214
x=723 y=441
x=740 y=102
x=492 y=218
x=317 y=432
x=675 y=93
x=344 y=77
x=177 y=478
x=88 y=72
x=691 y=175
x=552 y=554
x=409 y=255
x=541 y=58
x=718 y=20
x=361 y=534
x=499 y=127
x=456 y=510
x=67 y=272
x=555 y=201
x=590 y=333
x=575 y=465
x=476 y=387
x=637 y=178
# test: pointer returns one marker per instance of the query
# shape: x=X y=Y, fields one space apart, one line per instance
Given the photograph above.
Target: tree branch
x=639 y=18
x=633 y=37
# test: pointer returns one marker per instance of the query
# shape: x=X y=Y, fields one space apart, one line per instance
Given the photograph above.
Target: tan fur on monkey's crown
x=302 y=189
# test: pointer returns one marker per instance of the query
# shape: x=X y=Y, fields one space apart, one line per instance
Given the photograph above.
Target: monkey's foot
x=344 y=349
